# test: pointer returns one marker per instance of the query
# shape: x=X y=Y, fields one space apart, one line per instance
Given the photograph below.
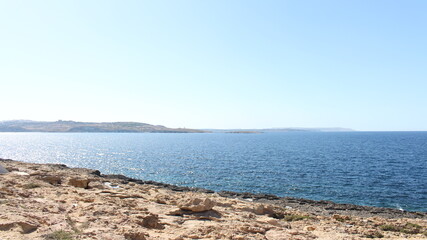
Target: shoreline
x=53 y=201
x=320 y=207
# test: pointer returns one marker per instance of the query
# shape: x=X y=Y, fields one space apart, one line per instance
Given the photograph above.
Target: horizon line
x=340 y=129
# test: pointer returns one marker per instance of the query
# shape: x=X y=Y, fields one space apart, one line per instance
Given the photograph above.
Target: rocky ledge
x=51 y=201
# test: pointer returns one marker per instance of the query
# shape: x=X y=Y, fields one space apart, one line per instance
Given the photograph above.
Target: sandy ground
x=47 y=201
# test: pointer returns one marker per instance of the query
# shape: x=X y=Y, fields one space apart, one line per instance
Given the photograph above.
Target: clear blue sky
x=217 y=64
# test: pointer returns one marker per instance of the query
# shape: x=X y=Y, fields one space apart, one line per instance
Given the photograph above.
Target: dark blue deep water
x=386 y=169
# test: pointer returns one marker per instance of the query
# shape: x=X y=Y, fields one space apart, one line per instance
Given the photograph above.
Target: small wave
x=399 y=207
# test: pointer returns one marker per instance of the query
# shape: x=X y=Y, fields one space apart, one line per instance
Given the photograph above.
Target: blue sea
x=384 y=169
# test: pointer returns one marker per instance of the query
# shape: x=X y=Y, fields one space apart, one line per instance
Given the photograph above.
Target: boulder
x=28 y=227
x=163 y=199
x=3 y=170
x=97 y=185
x=149 y=221
x=196 y=204
x=54 y=180
x=268 y=220
x=152 y=221
x=25 y=227
x=261 y=209
x=79 y=182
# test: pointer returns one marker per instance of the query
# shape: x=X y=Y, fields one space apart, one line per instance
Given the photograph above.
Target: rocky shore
x=51 y=201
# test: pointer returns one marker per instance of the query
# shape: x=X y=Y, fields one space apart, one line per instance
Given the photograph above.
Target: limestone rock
x=277 y=235
x=27 y=227
x=6 y=226
x=310 y=228
x=239 y=237
x=268 y=220
x=20 y=173
x=196 y=204
x=162 y=199
x=97 y=185
x=261 y=209
x=54 y=180
x=79 y=182
x=134 y=235
x=253 y=229
x=150 y=221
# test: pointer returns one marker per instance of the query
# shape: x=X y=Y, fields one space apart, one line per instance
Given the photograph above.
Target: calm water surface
x=386 y=169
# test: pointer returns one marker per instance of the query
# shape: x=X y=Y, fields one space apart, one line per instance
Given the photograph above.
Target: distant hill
x=71 y=126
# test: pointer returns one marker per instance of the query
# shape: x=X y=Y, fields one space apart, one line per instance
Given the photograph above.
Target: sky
x=358 y=64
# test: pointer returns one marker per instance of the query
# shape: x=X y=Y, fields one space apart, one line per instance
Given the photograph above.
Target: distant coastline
x=72 y=126
x=244 y=132
x=265 y=130
x=135 y=127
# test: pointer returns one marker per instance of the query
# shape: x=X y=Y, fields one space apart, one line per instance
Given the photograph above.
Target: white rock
x=196 y=204
x=20 y=173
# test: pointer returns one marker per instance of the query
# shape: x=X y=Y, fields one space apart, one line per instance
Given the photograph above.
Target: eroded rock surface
x=196 y=204
x=79 y=182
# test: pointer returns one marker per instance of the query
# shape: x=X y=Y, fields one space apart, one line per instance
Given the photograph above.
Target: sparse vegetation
x=374 y=234
x=390 y=228
x=409 y=228
x=59 y=235
x=295 y=217
x=341 y=218
x=31 y=186
x=72 y=224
